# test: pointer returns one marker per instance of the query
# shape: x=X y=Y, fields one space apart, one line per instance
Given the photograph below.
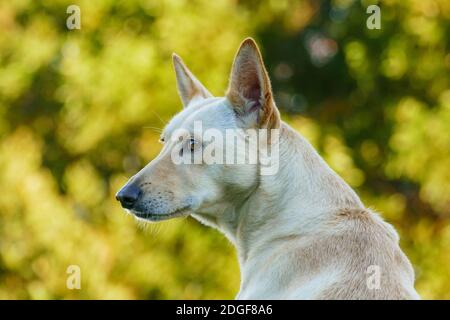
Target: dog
x=300 y=232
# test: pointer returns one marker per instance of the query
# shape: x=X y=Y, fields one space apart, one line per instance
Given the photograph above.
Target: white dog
x=301 y=232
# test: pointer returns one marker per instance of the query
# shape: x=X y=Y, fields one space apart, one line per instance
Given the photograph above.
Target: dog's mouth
x=153 y=217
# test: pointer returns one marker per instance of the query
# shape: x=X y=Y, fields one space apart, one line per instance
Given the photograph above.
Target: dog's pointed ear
x=249 y=91
x=189 y=87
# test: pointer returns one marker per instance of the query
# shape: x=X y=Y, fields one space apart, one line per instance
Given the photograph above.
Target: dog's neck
x=297 y=199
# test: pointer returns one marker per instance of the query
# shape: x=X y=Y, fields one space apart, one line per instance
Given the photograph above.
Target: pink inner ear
x=250 y=86
x=253 y=94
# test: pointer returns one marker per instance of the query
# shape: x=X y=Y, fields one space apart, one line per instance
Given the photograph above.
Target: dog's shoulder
x=367 y=245
x=363 y=222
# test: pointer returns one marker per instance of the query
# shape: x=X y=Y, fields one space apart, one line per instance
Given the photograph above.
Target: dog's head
x=181 y=180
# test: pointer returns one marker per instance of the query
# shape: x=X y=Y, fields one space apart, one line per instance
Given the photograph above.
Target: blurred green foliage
x=79 y=112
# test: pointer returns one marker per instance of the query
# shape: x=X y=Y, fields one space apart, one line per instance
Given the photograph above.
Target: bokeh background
x=80 y=112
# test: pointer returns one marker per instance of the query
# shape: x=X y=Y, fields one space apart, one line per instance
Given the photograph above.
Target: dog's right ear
x=189 y=87
x=250 y=92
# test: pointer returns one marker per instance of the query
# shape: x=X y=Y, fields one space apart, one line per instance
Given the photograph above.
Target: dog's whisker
x=156 y=129
x=159 y=118
x=154 y=229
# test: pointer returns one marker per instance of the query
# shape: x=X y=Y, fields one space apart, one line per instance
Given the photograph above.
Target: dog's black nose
x=128 y=196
